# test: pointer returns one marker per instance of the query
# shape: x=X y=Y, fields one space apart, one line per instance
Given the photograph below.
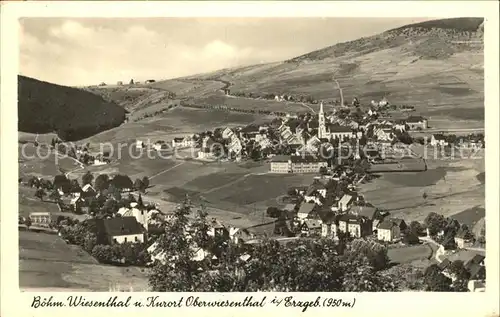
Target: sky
x=88 y=51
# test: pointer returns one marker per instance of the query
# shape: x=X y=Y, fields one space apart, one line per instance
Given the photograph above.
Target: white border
x=377 y=304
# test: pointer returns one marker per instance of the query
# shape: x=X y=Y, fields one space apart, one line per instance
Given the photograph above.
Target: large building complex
x=296 y=164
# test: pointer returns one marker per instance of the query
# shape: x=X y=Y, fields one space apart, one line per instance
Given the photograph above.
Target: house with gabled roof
x=311 y=227
x=305 y=209
x=416 y=122
x=227 y=133
x=118 y=230
x=357 y=226
x=438 y=139
x=345 y=202
x=368 y=212
x=388 y=231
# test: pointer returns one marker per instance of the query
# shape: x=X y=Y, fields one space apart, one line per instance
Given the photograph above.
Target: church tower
x=321 y=120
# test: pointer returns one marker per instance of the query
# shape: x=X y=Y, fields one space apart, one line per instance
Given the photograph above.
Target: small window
x=125 y=239
x=136 y=239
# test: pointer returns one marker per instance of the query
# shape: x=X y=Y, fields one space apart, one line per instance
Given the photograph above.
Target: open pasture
x=41 y=161
x=254 y=104
x=175 y=122
x=409 y=254
x=188 y=88
x=449 y=188
x=46 y=261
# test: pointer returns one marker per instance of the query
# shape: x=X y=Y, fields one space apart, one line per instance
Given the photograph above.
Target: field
x=409 y=254
x=175 y=122
x=47 y=262
x=452 y=187
x=254 y=104
x=41 y=161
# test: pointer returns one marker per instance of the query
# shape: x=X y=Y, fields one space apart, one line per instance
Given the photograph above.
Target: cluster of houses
x=346 y=214
x=298 y=133
x=475 y=266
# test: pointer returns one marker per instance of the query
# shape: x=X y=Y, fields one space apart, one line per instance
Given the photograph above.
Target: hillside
x=72 y=113
x=436 y=66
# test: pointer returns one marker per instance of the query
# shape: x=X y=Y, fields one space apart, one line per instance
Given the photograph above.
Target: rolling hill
x=72 y=113
x=437 y=66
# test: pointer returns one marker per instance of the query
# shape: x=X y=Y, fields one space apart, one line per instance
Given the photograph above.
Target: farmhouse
x=249 y=132
x=183 y=142
x=315 y=188
x=357 y=227
x=207 y=149
x=368 y=212
x=149 y=81
x=311 y=227
x=88 y=191
x=158 y=255
x=139 y=144
x=239 y=235
x=139 y=213
x=438 y=139
x=329 y=225
x=227 y=133
x=416 y=123
x=160 y=145
x=345 y=202
x=463 y=239
x=217 y=229
x=384 y=133
x=388 y=231
x=305 y=209
x=118 y=230
x=235 y=146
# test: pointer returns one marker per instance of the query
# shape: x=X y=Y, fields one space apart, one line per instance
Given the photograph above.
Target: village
x=341 y=148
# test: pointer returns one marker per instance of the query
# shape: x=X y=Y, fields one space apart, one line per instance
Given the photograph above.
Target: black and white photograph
x=252 y=154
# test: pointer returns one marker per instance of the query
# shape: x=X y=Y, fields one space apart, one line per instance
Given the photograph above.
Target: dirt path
x=232 y=182
x=168 y=169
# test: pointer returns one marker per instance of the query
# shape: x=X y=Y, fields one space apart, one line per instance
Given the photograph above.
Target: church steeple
x=321 y=122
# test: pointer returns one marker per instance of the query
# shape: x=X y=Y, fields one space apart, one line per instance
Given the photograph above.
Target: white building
x=345 y=202
x=141 y=215
x=123 y=229
x=438 y=139
x=183 y=142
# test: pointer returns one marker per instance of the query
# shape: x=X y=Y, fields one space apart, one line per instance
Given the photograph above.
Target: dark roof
x=415 y=119
x=250 y=128
x=327 y=216
x=439 y=137
x=280 y=158
x=313 y=124
x=365 y=211
x=178 y=139
x=398 y=221
x=306 y=208
x=120 y=226
x=312 y=224
x=444 y=264
x=317 y=185
x=477 y=271
x=305 y=159
x=477 y=259
x=463 y=234
x=339 y=128
x=386 y=224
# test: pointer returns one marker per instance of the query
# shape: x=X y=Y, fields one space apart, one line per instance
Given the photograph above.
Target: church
x=332 y=131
